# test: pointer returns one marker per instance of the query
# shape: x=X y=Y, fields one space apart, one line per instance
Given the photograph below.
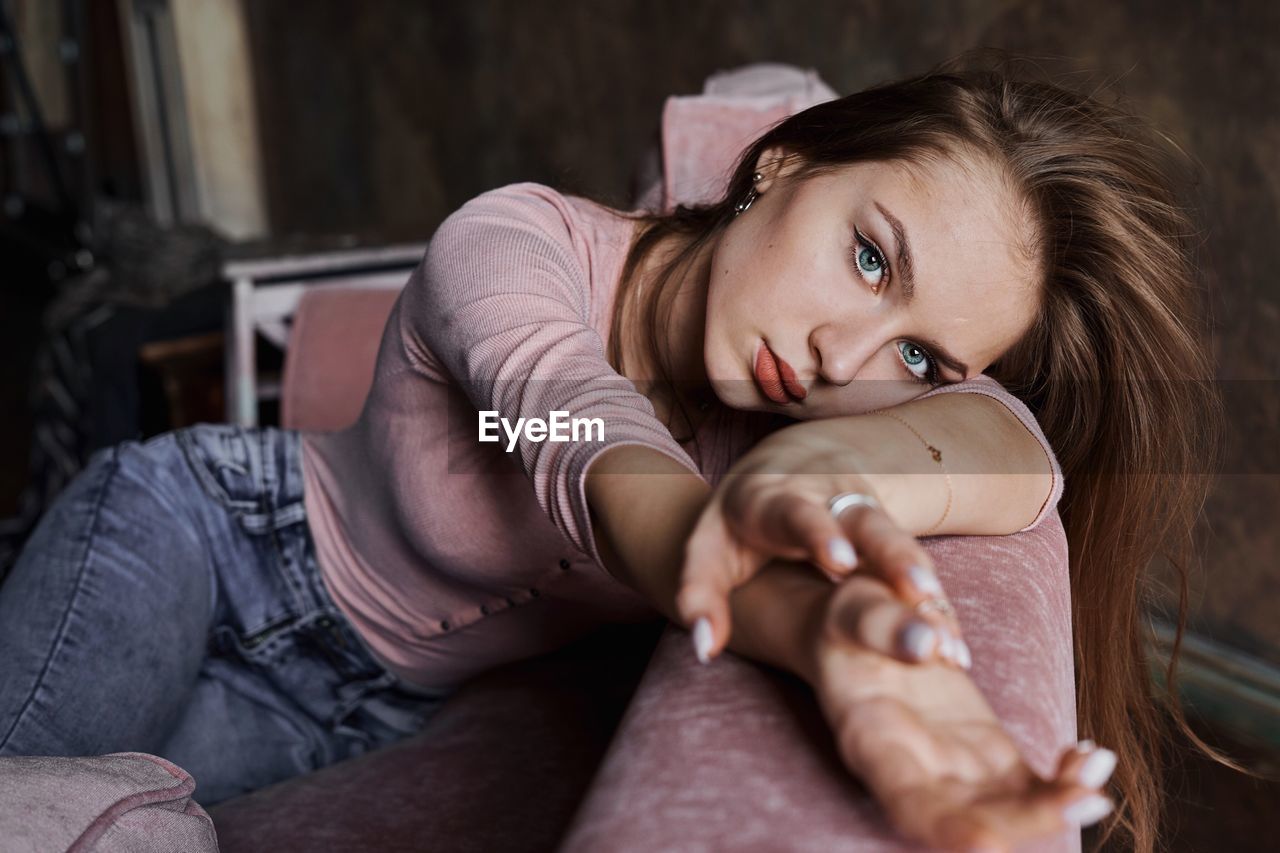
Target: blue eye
x=869 y=260
x=920 y=364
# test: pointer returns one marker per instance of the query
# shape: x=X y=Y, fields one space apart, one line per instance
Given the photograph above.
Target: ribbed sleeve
x=502 y=303
x=983 y=384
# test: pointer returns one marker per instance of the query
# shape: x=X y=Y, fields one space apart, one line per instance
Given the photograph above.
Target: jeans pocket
x=267 y=637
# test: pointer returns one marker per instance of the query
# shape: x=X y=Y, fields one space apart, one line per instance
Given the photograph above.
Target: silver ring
x=939 y=604
x=844 y=500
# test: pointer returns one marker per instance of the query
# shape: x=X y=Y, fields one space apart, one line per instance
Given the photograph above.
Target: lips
x=775 y=377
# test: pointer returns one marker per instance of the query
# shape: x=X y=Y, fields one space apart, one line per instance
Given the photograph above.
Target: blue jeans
x=169 y=602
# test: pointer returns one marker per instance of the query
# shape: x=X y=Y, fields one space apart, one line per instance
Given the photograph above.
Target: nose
x=839 y=352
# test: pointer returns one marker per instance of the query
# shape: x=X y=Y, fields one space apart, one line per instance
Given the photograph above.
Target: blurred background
x=164 y=165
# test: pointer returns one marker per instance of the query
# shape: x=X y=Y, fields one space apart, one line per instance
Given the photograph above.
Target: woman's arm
x=1001 y=473
x=1000 y=476
x=502 y=306
x=644 y=503
x=643 y=507
x=922 y=738
x=642 y=522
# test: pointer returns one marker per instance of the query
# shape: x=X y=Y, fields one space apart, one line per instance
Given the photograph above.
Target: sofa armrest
x=119 y=801
x=736 y=756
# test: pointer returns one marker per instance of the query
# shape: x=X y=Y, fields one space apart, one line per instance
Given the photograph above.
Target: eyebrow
x=903 y=251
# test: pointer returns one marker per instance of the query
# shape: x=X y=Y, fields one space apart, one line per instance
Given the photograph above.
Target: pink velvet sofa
x=623 y=741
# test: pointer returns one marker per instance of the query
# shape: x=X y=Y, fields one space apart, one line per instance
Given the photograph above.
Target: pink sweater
x=452 y=556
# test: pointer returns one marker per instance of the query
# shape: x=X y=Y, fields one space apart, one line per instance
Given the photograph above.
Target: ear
x=774 y=164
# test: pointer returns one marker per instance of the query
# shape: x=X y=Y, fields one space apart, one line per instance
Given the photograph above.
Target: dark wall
x=379 y=118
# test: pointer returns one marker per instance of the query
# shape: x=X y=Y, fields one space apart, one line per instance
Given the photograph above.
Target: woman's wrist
x=844 y=460
x=778 y=617
x=915 y=502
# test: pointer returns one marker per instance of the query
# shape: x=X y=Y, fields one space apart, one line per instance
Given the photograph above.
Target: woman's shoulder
x=527 y=221
x=517 y=224
x=528 y=237
x=532 y=203
x=528 y=193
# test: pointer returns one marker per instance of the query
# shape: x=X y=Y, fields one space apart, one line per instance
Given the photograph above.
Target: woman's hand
x=926 y=743
x=773 y=503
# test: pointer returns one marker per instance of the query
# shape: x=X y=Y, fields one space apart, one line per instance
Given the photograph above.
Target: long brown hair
x=1116 y=367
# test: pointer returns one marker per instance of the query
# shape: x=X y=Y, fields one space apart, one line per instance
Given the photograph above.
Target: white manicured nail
x=841 y=551
x=925 y=581
x=919 y=639
x=964 y=657
x=702 y=639
x=948 y=646
x=1097 y=768
x=1085 y=745
x=1088 y=811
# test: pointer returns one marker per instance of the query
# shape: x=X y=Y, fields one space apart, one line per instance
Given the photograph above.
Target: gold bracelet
x=937 y=457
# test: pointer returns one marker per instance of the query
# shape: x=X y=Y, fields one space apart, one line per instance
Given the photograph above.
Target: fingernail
x=925 y=580
x=919 y=639
x=841 y=551
x=702 y=639
x=1085 y=745
x=1088 y=811
x=1097 y=768
x=956 y=650
x=947 y=648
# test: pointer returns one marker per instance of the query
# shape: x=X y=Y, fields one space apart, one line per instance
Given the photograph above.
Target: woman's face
x=862 y=282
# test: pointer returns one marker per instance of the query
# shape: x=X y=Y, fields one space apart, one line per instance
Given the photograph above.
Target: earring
x=741 y=206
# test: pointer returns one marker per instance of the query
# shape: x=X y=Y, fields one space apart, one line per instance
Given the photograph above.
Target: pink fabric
x=124 y=801
x=332 y=347
x=436 y=546
x=703 y=135
x=732 y=756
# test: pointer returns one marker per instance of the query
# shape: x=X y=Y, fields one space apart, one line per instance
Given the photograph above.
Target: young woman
x=253 y=604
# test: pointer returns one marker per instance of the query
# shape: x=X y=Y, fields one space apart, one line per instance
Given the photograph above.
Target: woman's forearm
x=644 y=505
x=642 y=522
x=1000 y=476
x=777 y=616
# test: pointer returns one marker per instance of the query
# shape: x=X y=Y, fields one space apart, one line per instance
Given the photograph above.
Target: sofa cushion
x=123 y=801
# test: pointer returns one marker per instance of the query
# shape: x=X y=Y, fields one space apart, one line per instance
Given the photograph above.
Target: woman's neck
x=678 y=314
